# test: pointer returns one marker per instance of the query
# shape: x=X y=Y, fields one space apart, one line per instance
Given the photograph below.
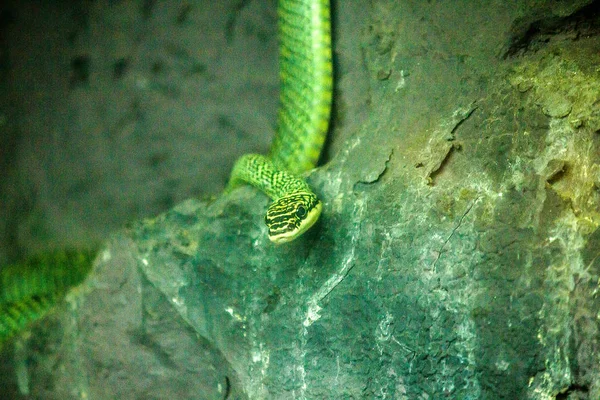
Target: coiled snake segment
x=29 y=290
x=14 y=317
x=306 y=75
x=48 y=273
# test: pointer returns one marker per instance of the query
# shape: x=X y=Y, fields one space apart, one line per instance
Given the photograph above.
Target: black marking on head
x=288 y=213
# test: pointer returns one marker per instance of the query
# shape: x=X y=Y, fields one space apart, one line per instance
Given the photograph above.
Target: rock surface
x=458 y=255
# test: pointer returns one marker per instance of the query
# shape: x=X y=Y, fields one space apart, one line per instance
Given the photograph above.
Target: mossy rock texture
x=457 y=256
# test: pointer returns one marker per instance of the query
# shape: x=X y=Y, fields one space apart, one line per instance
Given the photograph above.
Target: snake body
x=29 y=290
x=305 y=72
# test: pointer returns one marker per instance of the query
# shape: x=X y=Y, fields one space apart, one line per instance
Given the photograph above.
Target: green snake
x=305 y=72
x=30 y=289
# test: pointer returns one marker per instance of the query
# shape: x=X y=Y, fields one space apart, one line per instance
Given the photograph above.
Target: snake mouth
x=295 y=230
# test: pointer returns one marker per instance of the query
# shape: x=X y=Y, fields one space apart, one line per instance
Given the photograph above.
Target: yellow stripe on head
x=290 y=216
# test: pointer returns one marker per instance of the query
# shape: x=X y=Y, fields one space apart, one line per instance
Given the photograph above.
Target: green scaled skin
x=47 y=273
x=305 y=106
x=14 y=317
x=29 y=289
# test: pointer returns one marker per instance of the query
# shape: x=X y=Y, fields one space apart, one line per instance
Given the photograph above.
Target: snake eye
x=300 y=212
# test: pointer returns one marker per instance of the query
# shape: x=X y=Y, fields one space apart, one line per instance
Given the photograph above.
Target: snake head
x=290 y=216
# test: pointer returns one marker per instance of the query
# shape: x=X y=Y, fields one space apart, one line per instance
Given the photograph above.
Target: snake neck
x=262 y=172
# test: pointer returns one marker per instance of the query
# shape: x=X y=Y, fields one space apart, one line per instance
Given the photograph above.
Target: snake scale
x=29 y=290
